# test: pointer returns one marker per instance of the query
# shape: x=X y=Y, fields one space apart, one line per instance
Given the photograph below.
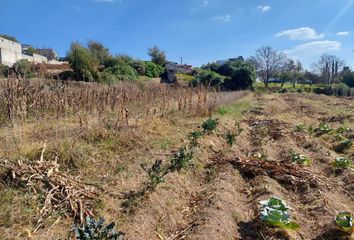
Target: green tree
x=153 y=70
x=122 y=71
x=8 y=37
x=157 y=56
x=239 y=73
x=98 y=52
x=348 y=78
x=207 y=78
x=82 y=62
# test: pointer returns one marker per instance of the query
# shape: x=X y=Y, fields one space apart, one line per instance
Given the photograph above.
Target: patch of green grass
x=235 y=110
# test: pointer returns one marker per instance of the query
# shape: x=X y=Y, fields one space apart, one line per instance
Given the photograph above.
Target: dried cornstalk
x=61 y=191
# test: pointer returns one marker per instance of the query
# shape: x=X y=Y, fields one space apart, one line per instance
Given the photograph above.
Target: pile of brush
x=61 y=191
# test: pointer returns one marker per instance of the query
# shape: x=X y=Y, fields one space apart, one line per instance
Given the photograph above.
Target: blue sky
x=199 y=30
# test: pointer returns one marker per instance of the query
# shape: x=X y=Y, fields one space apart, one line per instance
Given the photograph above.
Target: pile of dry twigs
x=61 y=191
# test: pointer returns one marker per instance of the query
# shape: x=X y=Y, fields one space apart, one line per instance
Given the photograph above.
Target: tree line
x=93 y=62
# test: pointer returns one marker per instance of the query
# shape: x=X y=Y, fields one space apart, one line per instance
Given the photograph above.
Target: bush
x=210 y=125
x=341 y=89
x=153 y=70
x=122 y=71
x=4 y=71
x=24 y=68
x=108 y=77
x=207 y=78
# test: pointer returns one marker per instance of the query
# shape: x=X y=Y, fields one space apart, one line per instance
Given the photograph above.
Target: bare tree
x=268 y=63
x=329 y=67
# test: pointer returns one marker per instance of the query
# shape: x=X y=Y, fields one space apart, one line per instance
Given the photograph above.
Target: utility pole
x=77 y=70
x=181 y=60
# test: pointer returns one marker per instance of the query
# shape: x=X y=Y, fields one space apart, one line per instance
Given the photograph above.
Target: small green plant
x=181 y=159
x=274 y=212
x=210 y=125
x=300 y=127
x=343 y=145
x=323 y=129
x=193 y=137
x=345 y=222
x=343 y=129
x=230 y=138
x=156 y=173
x=300 y=159
x=342 y=163
x=96 y=230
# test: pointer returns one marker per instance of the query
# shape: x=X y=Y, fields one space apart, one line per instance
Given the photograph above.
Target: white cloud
x=265 y=8
x=226 y=18
x=205 y=3
x=304 y=33
x=314 y=48
x=342 y=33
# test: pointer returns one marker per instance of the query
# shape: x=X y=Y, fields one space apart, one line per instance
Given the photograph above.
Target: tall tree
x=329 y=67
x=99 y=52
x=268 y=63
x=82 y=62
x=157 y=56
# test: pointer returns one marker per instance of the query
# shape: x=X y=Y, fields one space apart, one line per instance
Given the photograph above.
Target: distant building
x=172 y=69
x=11 y=52
x=47 y=52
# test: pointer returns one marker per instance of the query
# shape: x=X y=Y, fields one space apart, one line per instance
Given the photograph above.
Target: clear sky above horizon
x=199 y=30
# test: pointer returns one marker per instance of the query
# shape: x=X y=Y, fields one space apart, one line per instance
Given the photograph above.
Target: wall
x=11 y=52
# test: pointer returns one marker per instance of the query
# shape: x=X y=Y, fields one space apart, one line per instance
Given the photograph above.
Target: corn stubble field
x=172 y=163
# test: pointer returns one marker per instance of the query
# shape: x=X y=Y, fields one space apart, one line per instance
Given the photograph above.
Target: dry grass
x=212 y=199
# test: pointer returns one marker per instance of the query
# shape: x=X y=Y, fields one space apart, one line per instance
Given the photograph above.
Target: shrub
x=123 y=71
x=24 y=68
x=345 y=222
x=95 y=230
x=156 y=173
x=341 y=89
x=210 y=125
x=153 y=70
x=300 y=159
x=4 y=71
x=274 y=212
x=342 y=163
x=181 y=159
x=207 y=78
x=193 y=137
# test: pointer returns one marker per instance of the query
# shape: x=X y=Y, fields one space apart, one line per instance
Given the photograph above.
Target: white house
x=11 y=52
